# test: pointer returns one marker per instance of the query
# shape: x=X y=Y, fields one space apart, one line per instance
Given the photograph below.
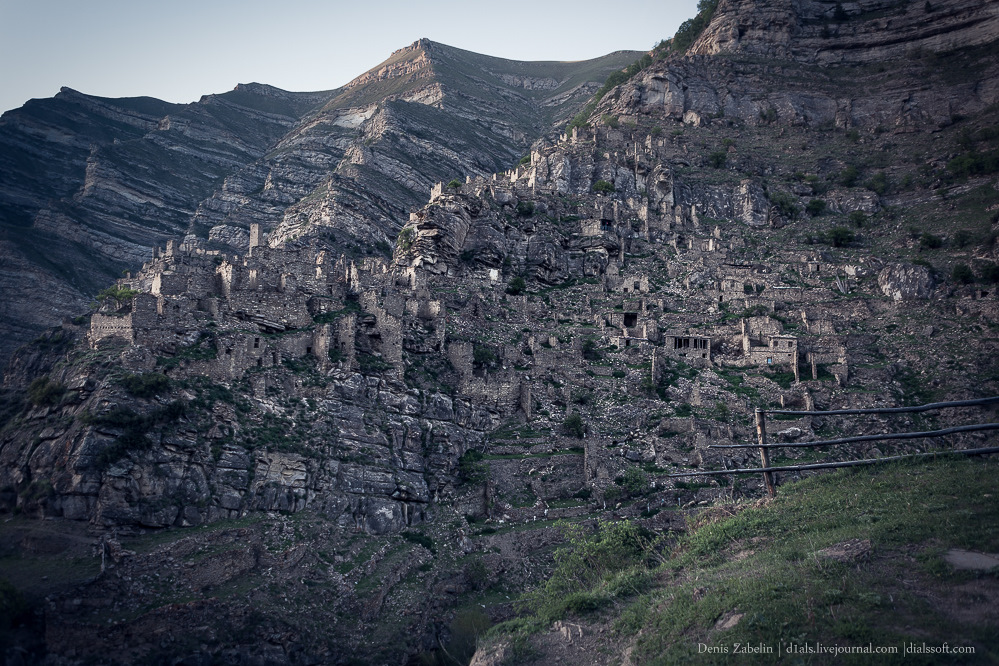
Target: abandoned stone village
x=569 y=333
x=303 y=450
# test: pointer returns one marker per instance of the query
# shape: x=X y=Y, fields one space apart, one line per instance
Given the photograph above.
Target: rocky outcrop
x=827 y=33
x=807 y=63
x=904 y=282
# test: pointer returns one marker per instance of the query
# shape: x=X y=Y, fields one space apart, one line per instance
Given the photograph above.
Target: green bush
x=840 y=236
x=455 y=184
x=420 y=539
x=962 y=274
x=603 y=187
x=369 y=364
x=573 y=425
x=116 y=296
x=134 y=427
x=145 y=385
x=517 y=286
x=590 y=350
x=878 y=183
x=990 y=273
x=717 y=159
x=858 y=218
x=635 y=481
x=43 y=392
x=610 y=120
x=974 y=164
x=928 y=241
x=405 y=239
x=525 y=208
x=484 y=357
x=691 y=29
x=471 y=467
x=584 y=564
x=815 y=207
x=13 y=607
x=785 y=204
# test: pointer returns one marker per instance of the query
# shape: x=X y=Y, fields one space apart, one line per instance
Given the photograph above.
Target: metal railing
x=767 y=470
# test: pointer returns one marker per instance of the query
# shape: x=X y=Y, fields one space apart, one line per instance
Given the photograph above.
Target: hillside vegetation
x=844 y=559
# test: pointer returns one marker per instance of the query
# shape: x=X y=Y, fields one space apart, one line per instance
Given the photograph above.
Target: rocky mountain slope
x=89 y=185
x=287 y=451
x=98 y=183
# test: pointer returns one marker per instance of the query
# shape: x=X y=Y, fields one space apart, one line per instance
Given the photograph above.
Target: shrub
x=585 y=562
x=610 y=120
x=963 y=238
x=635 y=481
x=717 y=159
x=962 y=274
x=858 y=218
x=603 y=187
x=483 y=356
x=784 y=203
x=405 y=239
x=145 y=385
x=525 y=208
x=990 y=273
x=471 y=467
x=590 y=350
x=974 y=164
x=691 y=29
x=43 y=392
x=815 y=207
x=370 y=364
x=573 y=425
x=878 y=183
x=116 y=296
x=420 y=539
x=849 y=176
x=517 y=286
x=454 y=183
x=840 y=236
x=526 y=159
x=928 y=241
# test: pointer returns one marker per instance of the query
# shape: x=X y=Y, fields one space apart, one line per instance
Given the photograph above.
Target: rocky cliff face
x=863 y=66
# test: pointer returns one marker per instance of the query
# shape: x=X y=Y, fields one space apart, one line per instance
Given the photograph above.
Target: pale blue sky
x=181 y=49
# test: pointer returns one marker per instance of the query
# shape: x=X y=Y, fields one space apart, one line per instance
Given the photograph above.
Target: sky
x=182 y=49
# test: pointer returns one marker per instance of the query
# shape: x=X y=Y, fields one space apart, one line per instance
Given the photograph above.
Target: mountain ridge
x=115 y=178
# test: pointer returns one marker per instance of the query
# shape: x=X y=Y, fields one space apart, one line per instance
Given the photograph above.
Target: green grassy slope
x=760 y=574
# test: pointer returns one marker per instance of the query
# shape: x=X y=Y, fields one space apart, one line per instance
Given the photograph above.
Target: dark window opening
x=308 y=350
x=228 y=352
x=256 y=343
x=630 y=319
x=260 y=362
x=638 y=285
